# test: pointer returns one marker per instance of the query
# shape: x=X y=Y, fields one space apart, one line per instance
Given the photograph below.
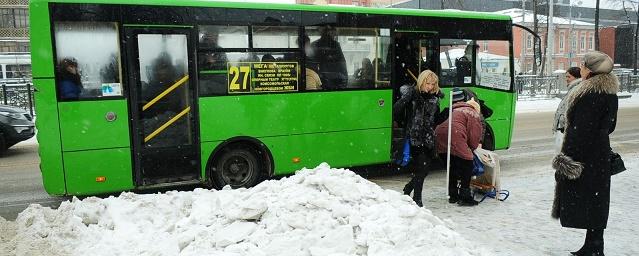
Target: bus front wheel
x=236 y=166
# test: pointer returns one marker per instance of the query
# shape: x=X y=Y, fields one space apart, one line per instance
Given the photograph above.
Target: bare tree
x=636 y=43
x=536 y=29
x=544 y=55
x=597 y=26
x=635 y=38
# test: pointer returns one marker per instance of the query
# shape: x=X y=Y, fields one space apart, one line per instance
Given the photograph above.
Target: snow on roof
x=516 y=15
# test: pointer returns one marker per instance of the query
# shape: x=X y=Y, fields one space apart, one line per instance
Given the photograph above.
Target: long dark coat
x=582 y=192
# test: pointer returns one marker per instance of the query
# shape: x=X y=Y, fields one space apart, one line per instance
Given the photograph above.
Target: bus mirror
x=537 y=50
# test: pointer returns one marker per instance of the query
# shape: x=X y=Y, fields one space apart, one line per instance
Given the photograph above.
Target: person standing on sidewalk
x=573 y=78
x=419 y=107
x=466 y=131
x=582 y=190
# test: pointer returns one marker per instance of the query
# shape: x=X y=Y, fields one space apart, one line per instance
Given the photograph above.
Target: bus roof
x=295 y=7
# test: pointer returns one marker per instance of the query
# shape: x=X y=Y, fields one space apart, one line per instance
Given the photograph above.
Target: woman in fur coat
x=573 y=78
x=582 y=192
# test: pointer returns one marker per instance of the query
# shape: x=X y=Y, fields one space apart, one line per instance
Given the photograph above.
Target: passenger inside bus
x=163 y=74
x=465 y=68
x=365 y=75
x=332 y=64
x=69 y=80
x=268 y=58
x=212 y=59
x=313 y=81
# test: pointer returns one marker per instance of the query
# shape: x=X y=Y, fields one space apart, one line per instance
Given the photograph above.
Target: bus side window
x=456 y=57
x=348 y=57
x=493 y=64
x=213 y=58
x=88 y=60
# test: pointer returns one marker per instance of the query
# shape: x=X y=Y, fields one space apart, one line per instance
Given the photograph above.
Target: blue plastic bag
x=478 y=166
x=405 y=154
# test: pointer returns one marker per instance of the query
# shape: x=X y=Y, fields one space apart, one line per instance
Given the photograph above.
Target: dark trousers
x=460 y=170
x=419 y=164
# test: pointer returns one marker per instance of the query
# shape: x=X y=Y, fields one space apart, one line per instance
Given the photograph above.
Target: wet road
x=532 y=147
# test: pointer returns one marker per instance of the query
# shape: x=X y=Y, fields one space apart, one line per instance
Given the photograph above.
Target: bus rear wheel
x=236 y=166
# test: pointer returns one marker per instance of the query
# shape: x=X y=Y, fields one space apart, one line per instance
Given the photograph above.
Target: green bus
x=166 y=93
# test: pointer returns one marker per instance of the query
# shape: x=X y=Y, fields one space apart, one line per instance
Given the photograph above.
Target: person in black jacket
x=582 y=192
x=419 y=106
x=329 y=55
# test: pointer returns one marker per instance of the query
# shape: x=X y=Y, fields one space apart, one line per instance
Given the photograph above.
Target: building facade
x=15 y=60
x=14 y=26
x=572 y=39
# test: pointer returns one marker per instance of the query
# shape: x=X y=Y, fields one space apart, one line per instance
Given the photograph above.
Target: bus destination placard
x=246 y=77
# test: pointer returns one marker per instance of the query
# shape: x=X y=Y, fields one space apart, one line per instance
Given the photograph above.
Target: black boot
x=586 y=247
x=453 y=193
x=418 y=185
x=594 y=244
x=466 y=198
x=409 y=187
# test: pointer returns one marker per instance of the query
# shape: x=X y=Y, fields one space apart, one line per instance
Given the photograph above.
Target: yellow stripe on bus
x=165 y=92
x=163 y=127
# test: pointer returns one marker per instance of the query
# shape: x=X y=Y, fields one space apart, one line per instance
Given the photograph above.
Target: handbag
x=478 y=166
x=616 y=163
x=404 y=158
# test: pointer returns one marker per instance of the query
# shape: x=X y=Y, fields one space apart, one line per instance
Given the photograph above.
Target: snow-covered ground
x=544 y=104
x=522 y=226
x=320 y=212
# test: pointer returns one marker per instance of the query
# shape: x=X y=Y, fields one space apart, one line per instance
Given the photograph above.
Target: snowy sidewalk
x=522 y=225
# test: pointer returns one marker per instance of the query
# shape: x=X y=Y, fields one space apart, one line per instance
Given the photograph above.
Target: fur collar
x=574 y=82
x=602 y=83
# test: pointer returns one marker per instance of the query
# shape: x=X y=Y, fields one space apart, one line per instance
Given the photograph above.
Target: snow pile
x=322 y=211
x=7 y=235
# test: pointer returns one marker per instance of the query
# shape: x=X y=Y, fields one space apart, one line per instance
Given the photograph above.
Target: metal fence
x=539 y=86
x=532 y=86
x=628 y=82
x=17 y=95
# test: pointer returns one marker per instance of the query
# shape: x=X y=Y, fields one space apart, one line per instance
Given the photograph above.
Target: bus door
x=163 y=105
x=414 y=52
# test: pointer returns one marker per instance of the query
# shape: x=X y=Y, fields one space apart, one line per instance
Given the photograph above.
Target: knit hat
x=598 y=62
x=458 y=95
